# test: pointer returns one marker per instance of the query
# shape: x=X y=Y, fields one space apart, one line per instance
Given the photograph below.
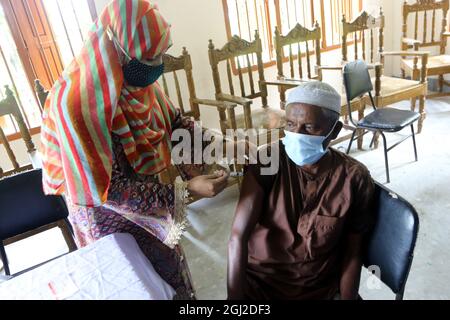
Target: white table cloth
x=111 y=268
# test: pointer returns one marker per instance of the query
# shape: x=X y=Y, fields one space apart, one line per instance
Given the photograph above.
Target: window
x=39 y=38
x=331 y=13
x=243 y=17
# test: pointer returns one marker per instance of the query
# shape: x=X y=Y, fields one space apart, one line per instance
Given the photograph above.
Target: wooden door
x=34 y=40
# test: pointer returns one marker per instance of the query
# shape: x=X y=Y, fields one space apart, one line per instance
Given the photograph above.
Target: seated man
x=297 y=234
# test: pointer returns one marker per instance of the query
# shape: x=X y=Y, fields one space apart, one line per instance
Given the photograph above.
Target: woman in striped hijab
x=106 y=137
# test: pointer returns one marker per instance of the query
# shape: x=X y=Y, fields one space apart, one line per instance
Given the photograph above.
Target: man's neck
x=324 y=164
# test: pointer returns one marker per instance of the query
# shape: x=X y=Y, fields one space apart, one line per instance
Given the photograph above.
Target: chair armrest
x=234 y=99
x=283 y=82
x=410 y=41
x=319 y=69
x=446 y=34
x=405 y=53
x=374 y=65
x=330 y=67
x=224 y=105
x=423 y=57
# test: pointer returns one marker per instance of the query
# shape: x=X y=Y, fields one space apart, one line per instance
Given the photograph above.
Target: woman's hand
x=208 y=185
x=180 y=121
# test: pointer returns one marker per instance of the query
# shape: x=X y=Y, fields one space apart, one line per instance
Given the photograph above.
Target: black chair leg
x=69 y=225
x=351 y=141
x=386 y=163
x=414 y=141
x=373 y=140
x=4 y=259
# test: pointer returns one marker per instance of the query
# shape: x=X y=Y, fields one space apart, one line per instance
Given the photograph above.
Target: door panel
x=34 y=39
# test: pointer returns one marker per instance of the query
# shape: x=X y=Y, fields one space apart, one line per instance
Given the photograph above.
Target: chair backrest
x=367 y=36
x=357 y=82
x=9 y=107
x=356 y=79
x=422 y=10
x=246 y=56
x=298 y=42
x=182 y=63
x=24 y=207
x=392 y=240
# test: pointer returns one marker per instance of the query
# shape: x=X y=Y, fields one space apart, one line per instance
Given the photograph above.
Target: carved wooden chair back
x=298 y=42
x=247 y=57
x=366 y=34
x=422 y=11
x=173 y=65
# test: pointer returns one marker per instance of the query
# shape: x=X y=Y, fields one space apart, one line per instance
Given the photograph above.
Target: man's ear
x=336 y=130
x=333 y=135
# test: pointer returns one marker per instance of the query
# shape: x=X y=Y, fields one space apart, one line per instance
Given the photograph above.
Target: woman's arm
x=161 y=208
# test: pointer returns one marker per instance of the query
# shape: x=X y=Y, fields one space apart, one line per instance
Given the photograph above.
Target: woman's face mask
x=305 y=149
x=137 y=73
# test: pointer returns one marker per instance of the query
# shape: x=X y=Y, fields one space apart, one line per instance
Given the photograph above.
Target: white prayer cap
x=316 y=93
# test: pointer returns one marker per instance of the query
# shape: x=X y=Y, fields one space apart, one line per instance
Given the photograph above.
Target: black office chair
x=357 y=83
x=26 y=211
x=391 y=244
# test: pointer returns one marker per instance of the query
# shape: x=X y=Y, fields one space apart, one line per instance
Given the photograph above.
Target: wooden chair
x=9 y=107
x=183 y=63
x=172 y=65
x=388 y=90
x=300 y=38
x=438 y=65
x=243 y=53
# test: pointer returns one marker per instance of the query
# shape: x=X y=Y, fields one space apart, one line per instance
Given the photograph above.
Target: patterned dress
x=133 y=200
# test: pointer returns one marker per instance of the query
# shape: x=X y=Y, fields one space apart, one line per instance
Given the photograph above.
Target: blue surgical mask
x=139 y=74
x=304 y=149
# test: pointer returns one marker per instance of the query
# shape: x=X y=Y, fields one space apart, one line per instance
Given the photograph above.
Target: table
x=111 y=268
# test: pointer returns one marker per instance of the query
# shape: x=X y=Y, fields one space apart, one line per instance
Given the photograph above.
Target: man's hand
x=208 y=185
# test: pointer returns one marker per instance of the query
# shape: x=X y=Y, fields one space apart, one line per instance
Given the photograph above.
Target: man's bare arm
x=351 y=269
x=245 y=219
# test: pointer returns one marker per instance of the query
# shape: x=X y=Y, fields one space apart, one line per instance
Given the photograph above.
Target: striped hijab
x=90 y=101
